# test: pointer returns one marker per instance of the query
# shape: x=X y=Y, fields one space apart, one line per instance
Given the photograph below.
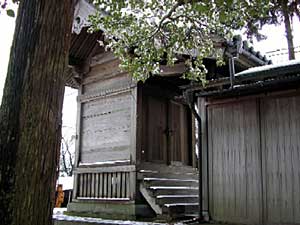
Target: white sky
x=276 y=40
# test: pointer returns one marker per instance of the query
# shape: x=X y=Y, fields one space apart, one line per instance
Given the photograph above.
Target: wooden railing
x=110 y=183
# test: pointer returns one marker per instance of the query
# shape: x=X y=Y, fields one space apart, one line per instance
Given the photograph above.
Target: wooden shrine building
x=136 y=142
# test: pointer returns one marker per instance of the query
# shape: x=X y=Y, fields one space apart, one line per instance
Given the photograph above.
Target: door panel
x=178 y=126
x=235 y=170
x=165 y=131
x=281 y=149
x=156 y=130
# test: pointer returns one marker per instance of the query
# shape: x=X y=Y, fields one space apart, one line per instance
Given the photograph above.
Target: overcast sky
x=276 y=40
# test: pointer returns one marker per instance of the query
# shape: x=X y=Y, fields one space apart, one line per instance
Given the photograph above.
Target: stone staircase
x=172 y=192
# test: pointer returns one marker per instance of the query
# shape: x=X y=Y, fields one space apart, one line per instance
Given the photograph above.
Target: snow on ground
x=67 y=182
x=59 y=211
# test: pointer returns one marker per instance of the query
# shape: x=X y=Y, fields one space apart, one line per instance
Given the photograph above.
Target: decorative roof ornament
x=82 y=11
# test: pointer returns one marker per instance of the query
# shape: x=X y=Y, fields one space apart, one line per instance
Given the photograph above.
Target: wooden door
x=156 y=127
x=178 y=133
x=166 y=131
x=234 y=158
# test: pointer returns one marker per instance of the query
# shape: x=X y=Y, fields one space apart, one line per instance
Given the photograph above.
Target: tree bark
x=288 y=29
x=30 y=113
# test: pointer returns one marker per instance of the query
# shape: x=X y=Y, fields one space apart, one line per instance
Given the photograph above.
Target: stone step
x=180 y=209
x=164 y=175
x=175 y=190
x=168 y=168
x=169 y=182
x=169 y=199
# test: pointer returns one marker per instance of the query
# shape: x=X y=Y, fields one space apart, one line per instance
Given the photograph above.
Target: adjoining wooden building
x=136 y=142
x=251 y=145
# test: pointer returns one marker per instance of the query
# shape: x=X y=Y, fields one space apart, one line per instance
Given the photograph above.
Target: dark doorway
x=166 y=131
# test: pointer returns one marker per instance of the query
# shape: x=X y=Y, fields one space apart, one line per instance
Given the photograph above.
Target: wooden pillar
x=204 y=152
x=77 y=142
x=133 y=141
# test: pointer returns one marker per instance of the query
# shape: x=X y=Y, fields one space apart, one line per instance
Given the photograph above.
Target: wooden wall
x=107 y=106
x=235 y=167
x=254 y=160
x=281 y=159
x=106 y=133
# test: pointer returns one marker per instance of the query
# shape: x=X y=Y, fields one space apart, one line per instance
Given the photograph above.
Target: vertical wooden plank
x=118 y=174
x=132 y=184
x=81 y=183
x=194 y=156
x=96 y=185
x=77 y=143
x=89 y=185
x=211 y=173
x=105 y=181
x=133 y=125
x=139 y=125
x=85 y=184
x=93 y=180
x=183 y=148
x=123 y=185
x=78 y=128
x=109 y=189
x=101 y=185
x=127 y=183
x=296 y=159
x=204 y=150
x=114 y=185
x=75 y=186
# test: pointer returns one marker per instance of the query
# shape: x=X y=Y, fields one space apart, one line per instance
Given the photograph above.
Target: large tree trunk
x=30 y=113
x=288 y=29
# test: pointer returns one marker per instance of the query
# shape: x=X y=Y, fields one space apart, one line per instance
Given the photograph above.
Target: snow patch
x=175 y=187
x=177 y=196
x=181 y=204
x=168 y=179
x=59 y=211
x=66 y=182
x=269 y=67
x=104 y=163
x=107 y=199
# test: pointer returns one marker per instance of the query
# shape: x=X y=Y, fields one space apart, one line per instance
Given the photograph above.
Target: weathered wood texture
x=105 y=132
x=179 y=132
x=106 y=114
x=254 y=150
x=156 y=139
x=234 y=173
x=165 y=131
x=204 y=147
x=104 y=186
x=30 y=114
x=281 y=149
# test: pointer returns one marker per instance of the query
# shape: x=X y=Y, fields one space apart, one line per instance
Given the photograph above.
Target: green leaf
x=10 y=12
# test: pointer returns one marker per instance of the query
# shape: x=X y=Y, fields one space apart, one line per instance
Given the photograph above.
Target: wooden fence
x=105 y=183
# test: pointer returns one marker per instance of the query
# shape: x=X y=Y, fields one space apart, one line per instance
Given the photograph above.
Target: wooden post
x=204 y=152
x=77 y=142
x=133 y=125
